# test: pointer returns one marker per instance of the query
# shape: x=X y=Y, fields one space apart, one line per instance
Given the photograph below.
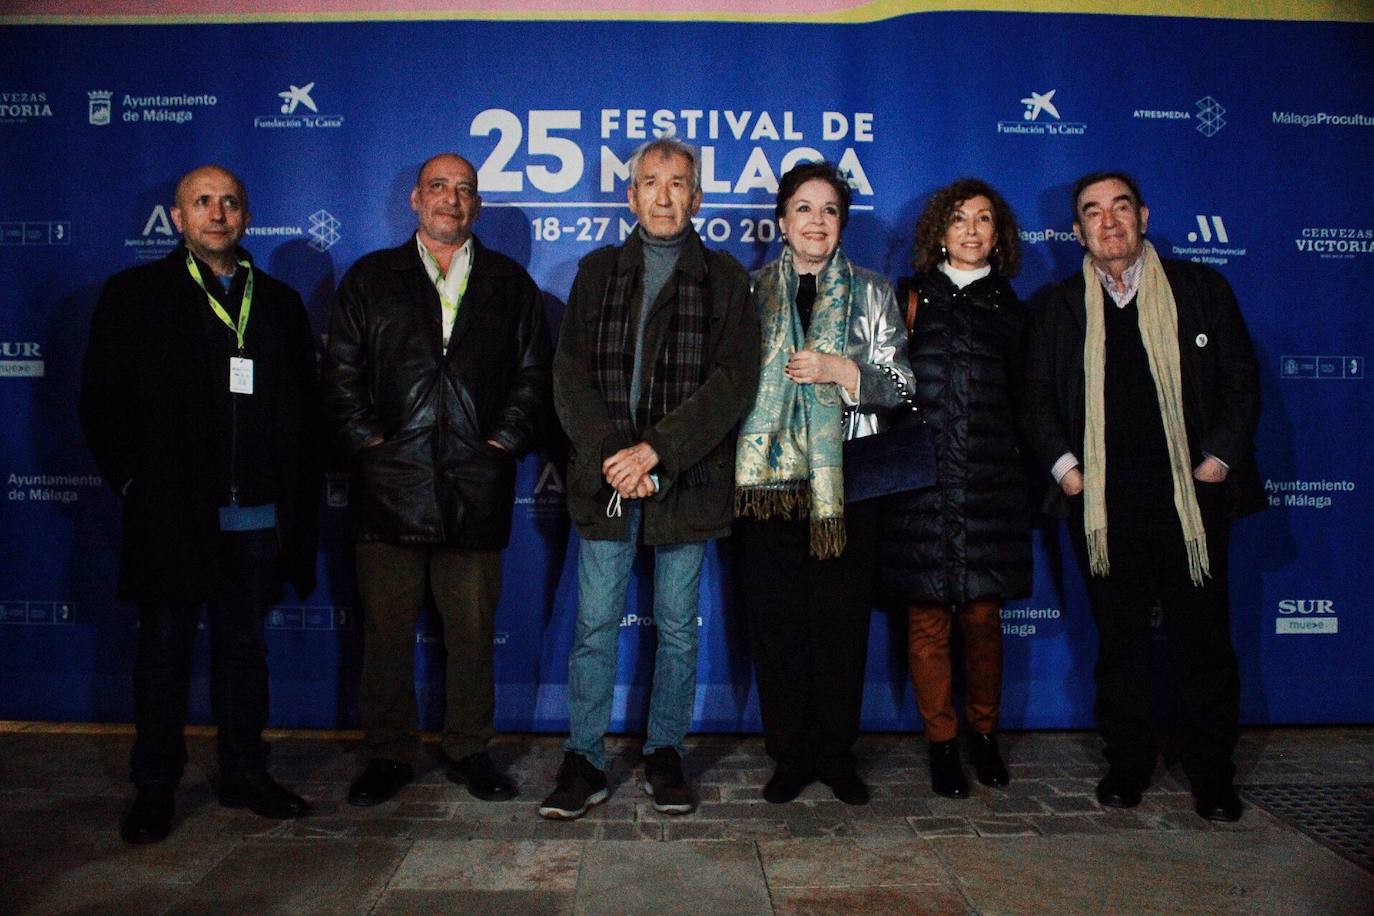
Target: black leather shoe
x=1218 y=804
x=785 y=785
x=482 y=778
x=381 y=780
x=987 y=760
x=257 y=791
x=1117 y=790
x=947 y=769
x=848 y=788
x=149 y=818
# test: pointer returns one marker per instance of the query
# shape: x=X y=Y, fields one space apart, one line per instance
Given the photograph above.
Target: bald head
x=204 y=171
x=211 y=213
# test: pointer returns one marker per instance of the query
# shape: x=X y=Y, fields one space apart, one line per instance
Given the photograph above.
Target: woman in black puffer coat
x=957 y=549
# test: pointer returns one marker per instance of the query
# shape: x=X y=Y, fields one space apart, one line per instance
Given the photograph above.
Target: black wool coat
x=147 y=407
x=967 y=537
x=1220 y=379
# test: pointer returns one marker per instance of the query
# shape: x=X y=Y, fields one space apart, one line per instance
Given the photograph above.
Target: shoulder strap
x=912 y=301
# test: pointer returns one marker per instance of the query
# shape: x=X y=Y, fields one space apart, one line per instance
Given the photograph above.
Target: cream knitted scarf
x=1159 y=334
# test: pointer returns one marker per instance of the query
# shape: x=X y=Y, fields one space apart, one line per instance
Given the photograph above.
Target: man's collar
x=1130 y=277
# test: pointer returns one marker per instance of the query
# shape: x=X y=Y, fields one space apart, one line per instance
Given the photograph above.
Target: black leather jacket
x=434 y=479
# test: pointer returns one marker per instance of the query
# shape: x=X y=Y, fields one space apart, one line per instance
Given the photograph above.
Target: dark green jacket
x=701 y=429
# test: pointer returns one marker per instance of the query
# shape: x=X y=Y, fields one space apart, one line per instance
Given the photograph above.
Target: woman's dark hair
x=803 y=172
x=926 y=252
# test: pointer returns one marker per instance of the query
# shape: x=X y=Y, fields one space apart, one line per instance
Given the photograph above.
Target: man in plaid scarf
x=656 y=363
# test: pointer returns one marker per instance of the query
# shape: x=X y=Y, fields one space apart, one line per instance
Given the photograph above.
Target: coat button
x=1200 y=340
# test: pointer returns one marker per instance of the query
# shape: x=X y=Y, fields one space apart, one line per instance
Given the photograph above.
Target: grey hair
x=667 y=146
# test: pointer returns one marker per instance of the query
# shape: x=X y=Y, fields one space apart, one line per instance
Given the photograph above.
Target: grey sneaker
x=664 y=783
x=580 y=785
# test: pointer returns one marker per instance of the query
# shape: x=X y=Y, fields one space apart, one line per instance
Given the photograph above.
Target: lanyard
x=215 y=307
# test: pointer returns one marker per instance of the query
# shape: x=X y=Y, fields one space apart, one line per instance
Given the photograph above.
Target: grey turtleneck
x=660 y=258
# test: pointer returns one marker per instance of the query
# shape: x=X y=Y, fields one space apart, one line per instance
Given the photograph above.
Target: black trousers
x=1149 y=567
x=808 y=634
x=247 y=583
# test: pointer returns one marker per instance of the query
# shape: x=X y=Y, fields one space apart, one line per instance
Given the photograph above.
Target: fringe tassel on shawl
x=827 y=535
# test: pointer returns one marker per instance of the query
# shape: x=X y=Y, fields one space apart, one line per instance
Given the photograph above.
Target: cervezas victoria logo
x=1040 y=116
x=297 y=109
x=18 y=107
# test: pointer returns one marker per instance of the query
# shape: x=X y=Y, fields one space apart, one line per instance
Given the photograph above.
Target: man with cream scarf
x=1142 y=398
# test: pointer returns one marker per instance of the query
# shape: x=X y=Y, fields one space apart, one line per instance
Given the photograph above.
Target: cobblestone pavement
x=1041 y=845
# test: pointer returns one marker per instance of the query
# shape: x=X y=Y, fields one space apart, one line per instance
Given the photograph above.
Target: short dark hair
x=934 y=220
x=803 y=172
x=1092 y=178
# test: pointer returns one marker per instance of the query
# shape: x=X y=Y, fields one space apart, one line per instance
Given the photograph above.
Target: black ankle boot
x=947 y=769
x=987 y=761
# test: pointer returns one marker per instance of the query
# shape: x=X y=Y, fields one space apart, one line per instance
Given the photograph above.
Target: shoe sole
x=667 y=808
x=565 y=814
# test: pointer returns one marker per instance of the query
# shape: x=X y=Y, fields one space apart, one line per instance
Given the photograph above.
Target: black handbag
x=899 y=459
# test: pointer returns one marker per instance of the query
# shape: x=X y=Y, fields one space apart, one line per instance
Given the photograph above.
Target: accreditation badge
x=240 y=375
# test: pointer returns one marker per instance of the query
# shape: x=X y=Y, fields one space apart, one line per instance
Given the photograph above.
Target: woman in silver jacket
x=834 y=362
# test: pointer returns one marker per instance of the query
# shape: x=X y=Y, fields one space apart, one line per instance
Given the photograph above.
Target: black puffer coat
x=968 y=537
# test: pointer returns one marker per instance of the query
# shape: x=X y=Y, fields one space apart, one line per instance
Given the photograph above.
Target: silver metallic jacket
x=878 y=344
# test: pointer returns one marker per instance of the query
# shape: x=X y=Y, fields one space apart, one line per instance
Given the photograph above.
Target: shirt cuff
x=1216 y=459
x=851 y=400
x=1067 y=462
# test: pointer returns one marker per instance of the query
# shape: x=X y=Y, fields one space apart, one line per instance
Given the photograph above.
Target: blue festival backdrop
x=1253 y=141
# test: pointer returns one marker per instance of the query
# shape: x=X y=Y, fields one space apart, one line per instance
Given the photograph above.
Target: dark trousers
x=247 y=582
x=466 y=585
x=1149 y=567
x=808 y=633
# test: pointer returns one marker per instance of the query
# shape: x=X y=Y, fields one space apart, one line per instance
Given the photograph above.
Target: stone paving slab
x=296 y=876
x=1043 y=844
x=668 y=878
x=1256 y=872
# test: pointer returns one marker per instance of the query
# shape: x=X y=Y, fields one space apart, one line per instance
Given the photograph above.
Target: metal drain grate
x=1340 y=817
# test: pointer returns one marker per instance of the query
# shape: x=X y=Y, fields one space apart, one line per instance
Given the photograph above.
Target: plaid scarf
x=788 y=459
x=679 y=368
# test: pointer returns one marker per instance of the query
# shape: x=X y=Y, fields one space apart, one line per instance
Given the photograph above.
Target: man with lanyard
x=436 y=380
x=1141 y=402
x=199 y=402
x=657 y=361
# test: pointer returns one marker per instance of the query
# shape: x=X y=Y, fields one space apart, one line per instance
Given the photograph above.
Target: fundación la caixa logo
x=298 y=109
x=1306 y=616
x=1035 y=105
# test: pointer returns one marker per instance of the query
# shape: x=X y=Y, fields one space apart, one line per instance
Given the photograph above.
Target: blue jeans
x=603 y=576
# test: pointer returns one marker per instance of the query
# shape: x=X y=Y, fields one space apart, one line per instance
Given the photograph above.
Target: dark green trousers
x=392 y=584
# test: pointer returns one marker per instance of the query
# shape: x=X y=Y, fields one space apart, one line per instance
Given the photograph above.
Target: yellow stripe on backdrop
x=126 y=12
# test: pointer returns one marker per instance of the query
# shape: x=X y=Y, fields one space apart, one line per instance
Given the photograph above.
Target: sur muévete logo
x=1306 y=616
